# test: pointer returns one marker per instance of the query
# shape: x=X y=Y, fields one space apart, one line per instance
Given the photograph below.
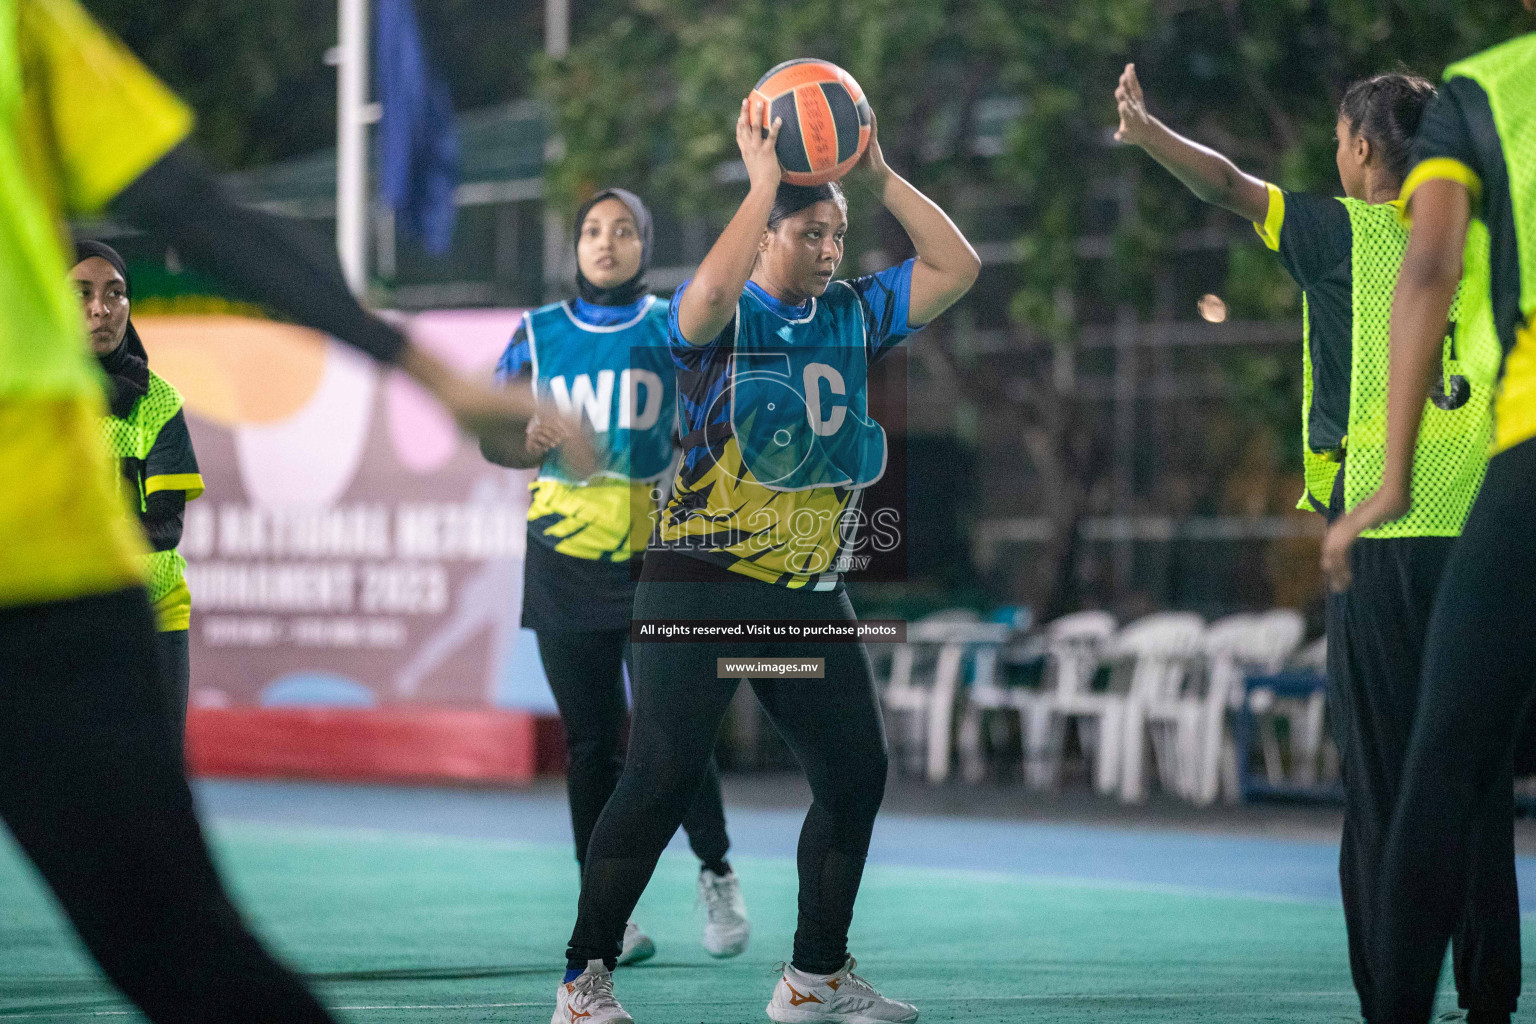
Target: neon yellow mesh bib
x=1452 y=452
x=132 y=438
x=1507 y=74
x=1318 y=468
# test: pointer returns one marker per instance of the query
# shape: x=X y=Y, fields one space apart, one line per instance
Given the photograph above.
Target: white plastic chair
x=1162 y=649
x=1313 y=656
x=986 y=695
x=926 y=692
x=1305 y=717
x=1235 y=647
x=1074 y=645
x=1318 y=759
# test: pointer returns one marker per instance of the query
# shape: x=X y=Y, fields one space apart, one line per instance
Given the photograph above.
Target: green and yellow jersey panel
x=154 y=452
x=80 y=119
x=1480 y=132
x=1452 y=451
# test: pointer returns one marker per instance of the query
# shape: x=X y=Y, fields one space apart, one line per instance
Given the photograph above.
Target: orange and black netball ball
x=826 y=119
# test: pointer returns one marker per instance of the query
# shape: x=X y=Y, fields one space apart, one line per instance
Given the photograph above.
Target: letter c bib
x=799 y=396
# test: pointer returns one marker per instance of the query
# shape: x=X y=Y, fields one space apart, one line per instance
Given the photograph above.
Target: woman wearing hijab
x=604 y=356
x=147 y=433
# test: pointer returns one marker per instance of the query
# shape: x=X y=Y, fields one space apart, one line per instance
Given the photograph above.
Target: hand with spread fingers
x=758 y=141
x=497 y=415
x=873 y=161
x=1136 y=122
x=545 y=434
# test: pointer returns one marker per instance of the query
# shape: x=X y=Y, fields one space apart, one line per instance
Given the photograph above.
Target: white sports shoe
x=637 y=946
x=841 y=998
x=589 y=999
x=727 y=930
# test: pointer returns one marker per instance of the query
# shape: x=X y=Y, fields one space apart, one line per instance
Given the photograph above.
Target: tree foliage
x=255 y=70
x=649 y=93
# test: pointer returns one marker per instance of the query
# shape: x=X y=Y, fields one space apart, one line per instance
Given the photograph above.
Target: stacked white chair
x=1074 y=646
x=1234 y=647
x=987 y=695
x=1160 y=699
x=1304 y=717
x=924 y=683
x=1314 y=750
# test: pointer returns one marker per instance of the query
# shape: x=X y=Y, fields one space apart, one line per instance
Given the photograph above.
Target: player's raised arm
x=179 y=201
x=946 y=265
x=710 y=300
x=1210 y=176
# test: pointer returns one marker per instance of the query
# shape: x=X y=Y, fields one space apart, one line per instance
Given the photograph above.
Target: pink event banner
x=352 y=549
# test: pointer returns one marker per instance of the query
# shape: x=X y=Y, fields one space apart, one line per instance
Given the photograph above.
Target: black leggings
x=92 y=787
x=832 y=725
x=585 y=671
x=1479 y=679
x=1376 y=634
x=177 y=674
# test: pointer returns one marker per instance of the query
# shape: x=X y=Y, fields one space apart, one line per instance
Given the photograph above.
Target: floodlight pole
x=557 y=43
x=353 y=115
x=557 y=27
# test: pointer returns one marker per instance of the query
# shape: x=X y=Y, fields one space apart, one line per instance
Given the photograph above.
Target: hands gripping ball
x=826 y=119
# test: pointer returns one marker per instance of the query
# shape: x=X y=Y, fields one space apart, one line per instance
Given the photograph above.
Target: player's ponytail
x=1386 y=109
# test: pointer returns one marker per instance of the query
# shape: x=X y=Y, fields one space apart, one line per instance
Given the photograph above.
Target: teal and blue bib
x=799 y=403
x=619 y=378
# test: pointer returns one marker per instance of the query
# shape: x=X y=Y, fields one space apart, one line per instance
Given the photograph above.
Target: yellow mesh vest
x=1507 y=74
x=1452 y=451
x=42 y=340
x=132 y=438
x=1318 y=468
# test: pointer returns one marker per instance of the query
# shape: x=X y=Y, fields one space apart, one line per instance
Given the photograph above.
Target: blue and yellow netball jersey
x=610 y=365
x=778 y=441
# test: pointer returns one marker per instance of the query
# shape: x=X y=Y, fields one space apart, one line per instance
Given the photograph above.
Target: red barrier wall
x=408 y=744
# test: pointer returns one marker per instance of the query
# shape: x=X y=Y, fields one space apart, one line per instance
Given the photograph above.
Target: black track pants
x=92 y=787
x=833 y=726
x=1376 y=634
x=585 y=671
x=177 y=673
x=1479 y=678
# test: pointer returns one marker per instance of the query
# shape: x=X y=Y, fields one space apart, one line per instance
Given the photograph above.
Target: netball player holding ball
x=773 y=358
x=585 y=534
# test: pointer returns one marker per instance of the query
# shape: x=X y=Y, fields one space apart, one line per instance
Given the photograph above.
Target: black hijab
x=127 y=366
x=629 y=291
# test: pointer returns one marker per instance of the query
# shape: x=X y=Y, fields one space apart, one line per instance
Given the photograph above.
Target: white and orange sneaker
x=841 y=998
x=588 y=999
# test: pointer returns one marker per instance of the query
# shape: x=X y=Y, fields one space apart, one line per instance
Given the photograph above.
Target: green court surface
x=409 y=928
